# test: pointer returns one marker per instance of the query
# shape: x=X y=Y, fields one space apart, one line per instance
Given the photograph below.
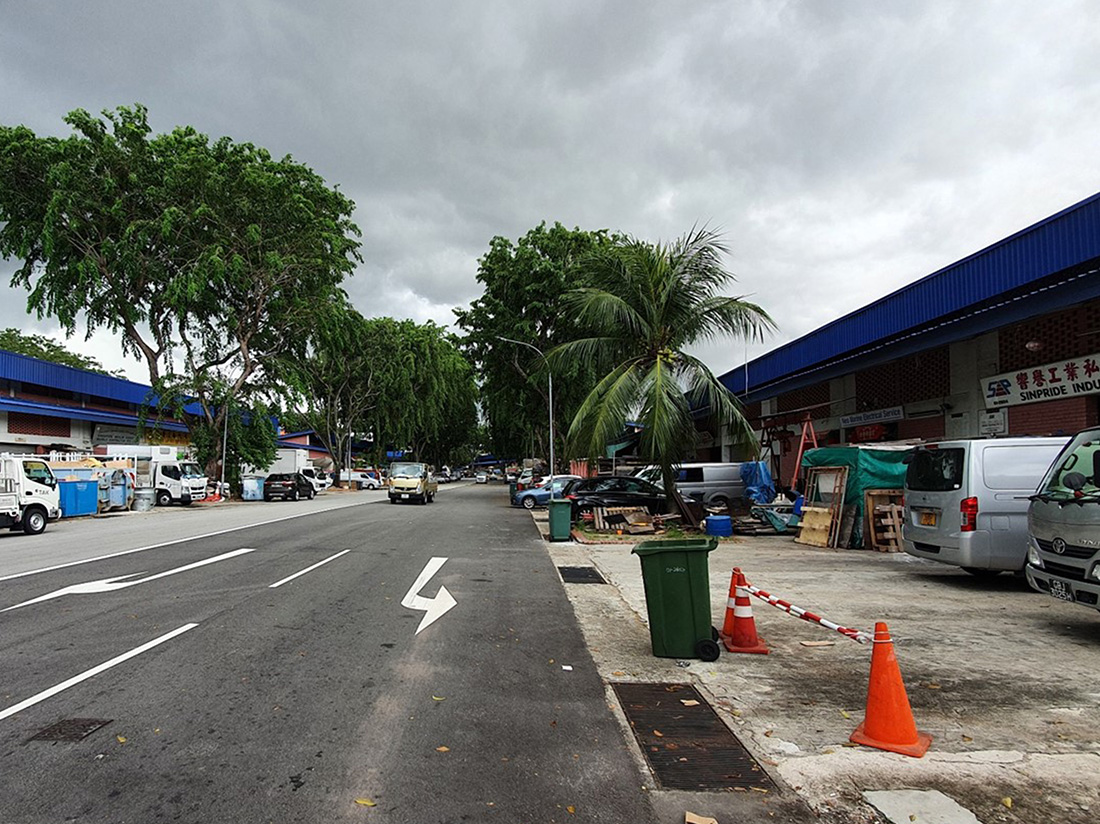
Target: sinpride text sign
x=1064 y=379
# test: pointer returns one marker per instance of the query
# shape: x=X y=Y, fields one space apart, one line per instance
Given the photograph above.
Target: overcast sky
x=845 y=148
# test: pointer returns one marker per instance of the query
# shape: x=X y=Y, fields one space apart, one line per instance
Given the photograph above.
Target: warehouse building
x=1003 y=342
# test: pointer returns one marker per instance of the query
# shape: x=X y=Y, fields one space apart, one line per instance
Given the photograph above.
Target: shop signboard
x=894 y=413
x=1063 y=379
x=994 y=422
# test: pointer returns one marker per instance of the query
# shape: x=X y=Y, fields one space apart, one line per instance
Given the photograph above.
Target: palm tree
x=646 y=304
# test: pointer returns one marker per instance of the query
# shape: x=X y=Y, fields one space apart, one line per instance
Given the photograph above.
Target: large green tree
x=646 y=303
x=209 y=258
x=524 y=288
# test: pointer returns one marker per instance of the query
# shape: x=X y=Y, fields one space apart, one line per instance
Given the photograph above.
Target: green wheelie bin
x=561 y=519
x=677 y=596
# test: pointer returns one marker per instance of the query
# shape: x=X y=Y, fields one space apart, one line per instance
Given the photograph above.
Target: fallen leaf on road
x=442 y=749
x=438 y=698
x=571 y=809
x=365 y=802
x=689 y=702
x=1007 y=801
x=759 y=790
x=692 y=818
x=932 y=685
x=842 y=712
x=818 y=643
x=121 y=739
x=967 y=738
x=658 y=733
x=768 y=733
x=618 y=673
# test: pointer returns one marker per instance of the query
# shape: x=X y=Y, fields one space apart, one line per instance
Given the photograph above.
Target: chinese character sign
x=1064 y=379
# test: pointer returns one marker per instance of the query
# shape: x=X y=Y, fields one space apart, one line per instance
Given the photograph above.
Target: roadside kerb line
x=178 y=541
x=308 y=569
x=84 y=676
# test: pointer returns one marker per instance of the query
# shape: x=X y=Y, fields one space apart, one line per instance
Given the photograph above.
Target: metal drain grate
x=581 y=575
x=71 y=729
x=687 y=747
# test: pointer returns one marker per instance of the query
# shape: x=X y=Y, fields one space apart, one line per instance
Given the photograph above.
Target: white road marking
x=177 y=541
x=120 y=582
x=84 y=676
x=433 y=607
x=308 y=569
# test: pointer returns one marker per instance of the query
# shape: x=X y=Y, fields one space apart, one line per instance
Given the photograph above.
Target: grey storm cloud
x=846 y=149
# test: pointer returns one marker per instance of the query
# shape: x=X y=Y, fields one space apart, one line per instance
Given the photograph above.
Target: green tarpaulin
x=868 y=468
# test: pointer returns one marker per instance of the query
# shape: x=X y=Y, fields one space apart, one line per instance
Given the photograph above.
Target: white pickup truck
x=28 y=494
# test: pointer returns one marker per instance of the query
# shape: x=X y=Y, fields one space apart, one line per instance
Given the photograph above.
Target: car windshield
x=935 y=470
x=190 y=470
x=407 y=470
x=1082 y=455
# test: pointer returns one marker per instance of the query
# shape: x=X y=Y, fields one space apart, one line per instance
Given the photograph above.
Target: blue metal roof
x=32 y=370
x=80 y=414
x=1018 y=263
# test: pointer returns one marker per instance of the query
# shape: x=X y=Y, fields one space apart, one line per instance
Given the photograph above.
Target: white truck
x=158 y=467
x=28 y=493
x=289 y=460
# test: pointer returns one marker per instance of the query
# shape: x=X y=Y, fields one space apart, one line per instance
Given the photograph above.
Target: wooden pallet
x=873 y=498
x=816 y=526
x=601 y=513
x=821 y=520
x=888 y=519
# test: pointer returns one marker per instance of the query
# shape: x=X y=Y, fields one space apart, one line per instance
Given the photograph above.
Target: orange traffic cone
x=739 y=629
x=888 y=723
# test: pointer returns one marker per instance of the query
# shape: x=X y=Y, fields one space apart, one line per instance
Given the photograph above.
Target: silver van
x=1063 y=525
x=713 y=484
x=966 y=501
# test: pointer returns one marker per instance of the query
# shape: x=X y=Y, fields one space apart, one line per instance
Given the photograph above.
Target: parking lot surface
x=1005 y=679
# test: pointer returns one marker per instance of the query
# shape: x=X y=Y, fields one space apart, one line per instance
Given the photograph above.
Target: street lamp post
x=550 y=399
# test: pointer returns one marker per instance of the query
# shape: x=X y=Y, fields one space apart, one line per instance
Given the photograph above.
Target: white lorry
x=28 y=494
x=158 y=467
x=288 y=460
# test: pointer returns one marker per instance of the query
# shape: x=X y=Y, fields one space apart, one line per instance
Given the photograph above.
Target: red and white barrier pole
x=856 y=635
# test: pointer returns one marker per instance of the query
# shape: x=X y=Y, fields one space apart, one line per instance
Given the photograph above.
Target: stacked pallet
x=885 y=516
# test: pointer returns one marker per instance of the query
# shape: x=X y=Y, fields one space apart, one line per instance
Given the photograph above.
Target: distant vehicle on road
x=320 y=480
x=713 y=484
x=539 y=495
x=412 y=482
x=290 y=486
x=481 y=478
x=966 y=501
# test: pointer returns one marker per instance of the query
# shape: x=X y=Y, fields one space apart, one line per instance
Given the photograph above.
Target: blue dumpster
x=78 y=498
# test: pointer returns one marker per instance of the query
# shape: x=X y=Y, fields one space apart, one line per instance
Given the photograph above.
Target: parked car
x=1063 y=525
x=712 y=484
x=481 y=478
x=539 y=495
x=615 y=490
x=966 y=501
x=288 y=486
x=365 y=480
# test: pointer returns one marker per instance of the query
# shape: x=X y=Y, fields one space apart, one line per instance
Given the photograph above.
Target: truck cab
x=28 y=494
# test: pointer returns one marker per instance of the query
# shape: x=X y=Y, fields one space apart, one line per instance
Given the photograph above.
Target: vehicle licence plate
x=404 y=494
x=1061 y=590
x=928 y=519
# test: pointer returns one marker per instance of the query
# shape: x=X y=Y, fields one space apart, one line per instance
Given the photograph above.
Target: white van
x=966 y=501
x=1063 y=525
x=713 y=484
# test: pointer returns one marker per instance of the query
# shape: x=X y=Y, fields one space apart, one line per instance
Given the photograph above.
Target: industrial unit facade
x=1003 y=342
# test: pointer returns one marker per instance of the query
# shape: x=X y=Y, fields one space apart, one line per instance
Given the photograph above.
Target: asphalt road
x=316 y=700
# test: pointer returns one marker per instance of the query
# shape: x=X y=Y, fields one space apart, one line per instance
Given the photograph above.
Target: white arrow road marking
x=433 y=607
x=106 y=665
x=111 y=584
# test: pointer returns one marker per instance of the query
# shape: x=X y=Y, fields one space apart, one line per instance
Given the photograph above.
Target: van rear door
x=935 y=486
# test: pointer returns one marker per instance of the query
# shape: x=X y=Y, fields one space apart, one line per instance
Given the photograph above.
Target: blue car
x=539 y=495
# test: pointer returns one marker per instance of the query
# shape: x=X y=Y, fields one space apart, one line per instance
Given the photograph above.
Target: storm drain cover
x=581 y=575
x=687 y=746
x=71 y=729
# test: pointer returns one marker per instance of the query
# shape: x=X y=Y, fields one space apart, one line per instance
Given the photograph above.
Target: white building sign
x=993 y=423
x=1064 y=379
x=894 y=413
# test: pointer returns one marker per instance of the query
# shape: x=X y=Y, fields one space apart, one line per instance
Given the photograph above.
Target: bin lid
x=676 y=545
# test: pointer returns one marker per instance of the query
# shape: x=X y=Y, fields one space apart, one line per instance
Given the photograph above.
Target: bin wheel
x=715 y=634
x=707 y=650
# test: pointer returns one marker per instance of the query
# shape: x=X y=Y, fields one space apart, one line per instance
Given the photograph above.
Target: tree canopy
x=210 y=259
x=525 y=287
x=645 y=304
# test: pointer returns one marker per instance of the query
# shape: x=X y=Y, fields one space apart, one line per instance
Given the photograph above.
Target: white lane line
x=84 y=676
x=178 y=541
x=308 y=569
x=111 y=584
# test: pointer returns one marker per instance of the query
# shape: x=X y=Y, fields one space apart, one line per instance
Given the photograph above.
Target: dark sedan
x=288 y=486
x=615 y=490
